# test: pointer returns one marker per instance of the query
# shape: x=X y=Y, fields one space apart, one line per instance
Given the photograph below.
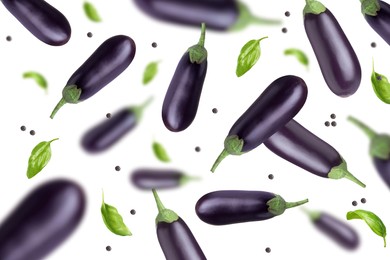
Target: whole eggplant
x=182 y=97
x=221 y=15
x=107 y=133
x=274 y=108
x=175 y=237
x=377 y=15
x=379 y=149
x=108 y=61
x=44 y=21
x=296 y=144
x=339 y=64
x=43 y=220
x=339 y=231
x=226 y=207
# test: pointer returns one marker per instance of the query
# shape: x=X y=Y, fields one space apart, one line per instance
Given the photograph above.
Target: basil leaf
x=91 y=12
x=39 y=79
x=160 y=152
x=372 y=220
x=249 y=55
x=380 y=85
x=39 y=158
x=113 y=220
x=300 y=55
x=150 y=72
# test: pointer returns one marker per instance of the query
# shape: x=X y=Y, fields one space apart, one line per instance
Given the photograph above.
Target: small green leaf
x=113 y=220
x=249 y=55
x=91 y=12
x=372 y=220
x=380 y=85
x=150 y=72
x=39 y=158
x=160 y=152
x=39 y=78
x=300 y=55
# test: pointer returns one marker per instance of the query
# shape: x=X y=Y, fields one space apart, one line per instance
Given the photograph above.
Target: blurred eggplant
x=377 y=15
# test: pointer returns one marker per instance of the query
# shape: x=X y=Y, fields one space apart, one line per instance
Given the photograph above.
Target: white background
x=289 y=235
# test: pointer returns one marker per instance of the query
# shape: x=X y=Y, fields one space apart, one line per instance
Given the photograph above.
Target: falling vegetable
x=39 y=78
x=150 y=72
x=380 y=85
x=249 y=55
x=160 y=152
x=91 y=12
x=377 y=15
x=113 y=220
x=39 y=158
x=299 y=54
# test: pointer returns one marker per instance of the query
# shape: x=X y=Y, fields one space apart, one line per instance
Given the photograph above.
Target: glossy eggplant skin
x=296 y=144
x=274 y=108
x=217 y=14
x=340 y=232
x=42 y=221
x=177 y=241
x=107 y=133
x=44 y=21
x=380 y=23
x=147 y=178
x=233 y=206
x=182 y=97
x=339 y=64
x=383 y=168
x=109 y=60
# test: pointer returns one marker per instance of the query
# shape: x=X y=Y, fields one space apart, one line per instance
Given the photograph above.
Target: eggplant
x=274 y=108
x=377 y=15
x=182 y=97
x=108 y=61
x=175 y=237
x=42 y=20
x=379 y=149
x=219 y=15
x=109 y=132
x=226 y=207
x=150 y=178
x=338 y=62
x=339 y=231
x=43 y=220
x=296 y=144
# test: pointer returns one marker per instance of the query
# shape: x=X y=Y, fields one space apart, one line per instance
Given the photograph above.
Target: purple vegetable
x=42 y=221
x=44 y=21
x=301 y=147
x=339 y=64
x=176 y=239
x=377 y=15
x=107 y=133
x=108 y=61
x=274 y=108
x=236 y=206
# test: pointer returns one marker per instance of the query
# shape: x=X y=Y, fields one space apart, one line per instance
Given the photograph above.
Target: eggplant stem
x=313 y=215
x=202 y=35
x=350 y=177
x=365 y=128
x=186 y=178
x=295 y=204
x=341 y=171
x=220 y=158
x=164 y=215
x=260 y=20
x=159 y=204
x=58 y=106
x=138 y=110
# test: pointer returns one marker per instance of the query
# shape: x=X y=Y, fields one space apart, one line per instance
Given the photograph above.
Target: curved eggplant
x=104 y=135
x=108 y=61
x=339 y=64
x=274 y=108
x=42 y=221
x=44 y=21
x=377 y=15
x=296 y=144
x=236 y=206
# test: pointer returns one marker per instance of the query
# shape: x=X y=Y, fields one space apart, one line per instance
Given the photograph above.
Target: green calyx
x=313 y=7
x=70 y=94
x=198 y=52
x=233 y=146
x=164 y=215
x=138 y=110
x=370 y=7
x=341 y=171
x=278 y=205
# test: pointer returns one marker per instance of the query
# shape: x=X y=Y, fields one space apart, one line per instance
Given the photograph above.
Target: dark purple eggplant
x=43 y=220
x=107 y=133
x=274 y=108
x=108 y=61
x=377 y=15
x=149 y=178
x=176 y=239
x=182 y=97
x=226 y=207
x=220 y=15
x=379 y=149
x=339 y=64
x=44 y=21
x=296 y=144
x=339 y=231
